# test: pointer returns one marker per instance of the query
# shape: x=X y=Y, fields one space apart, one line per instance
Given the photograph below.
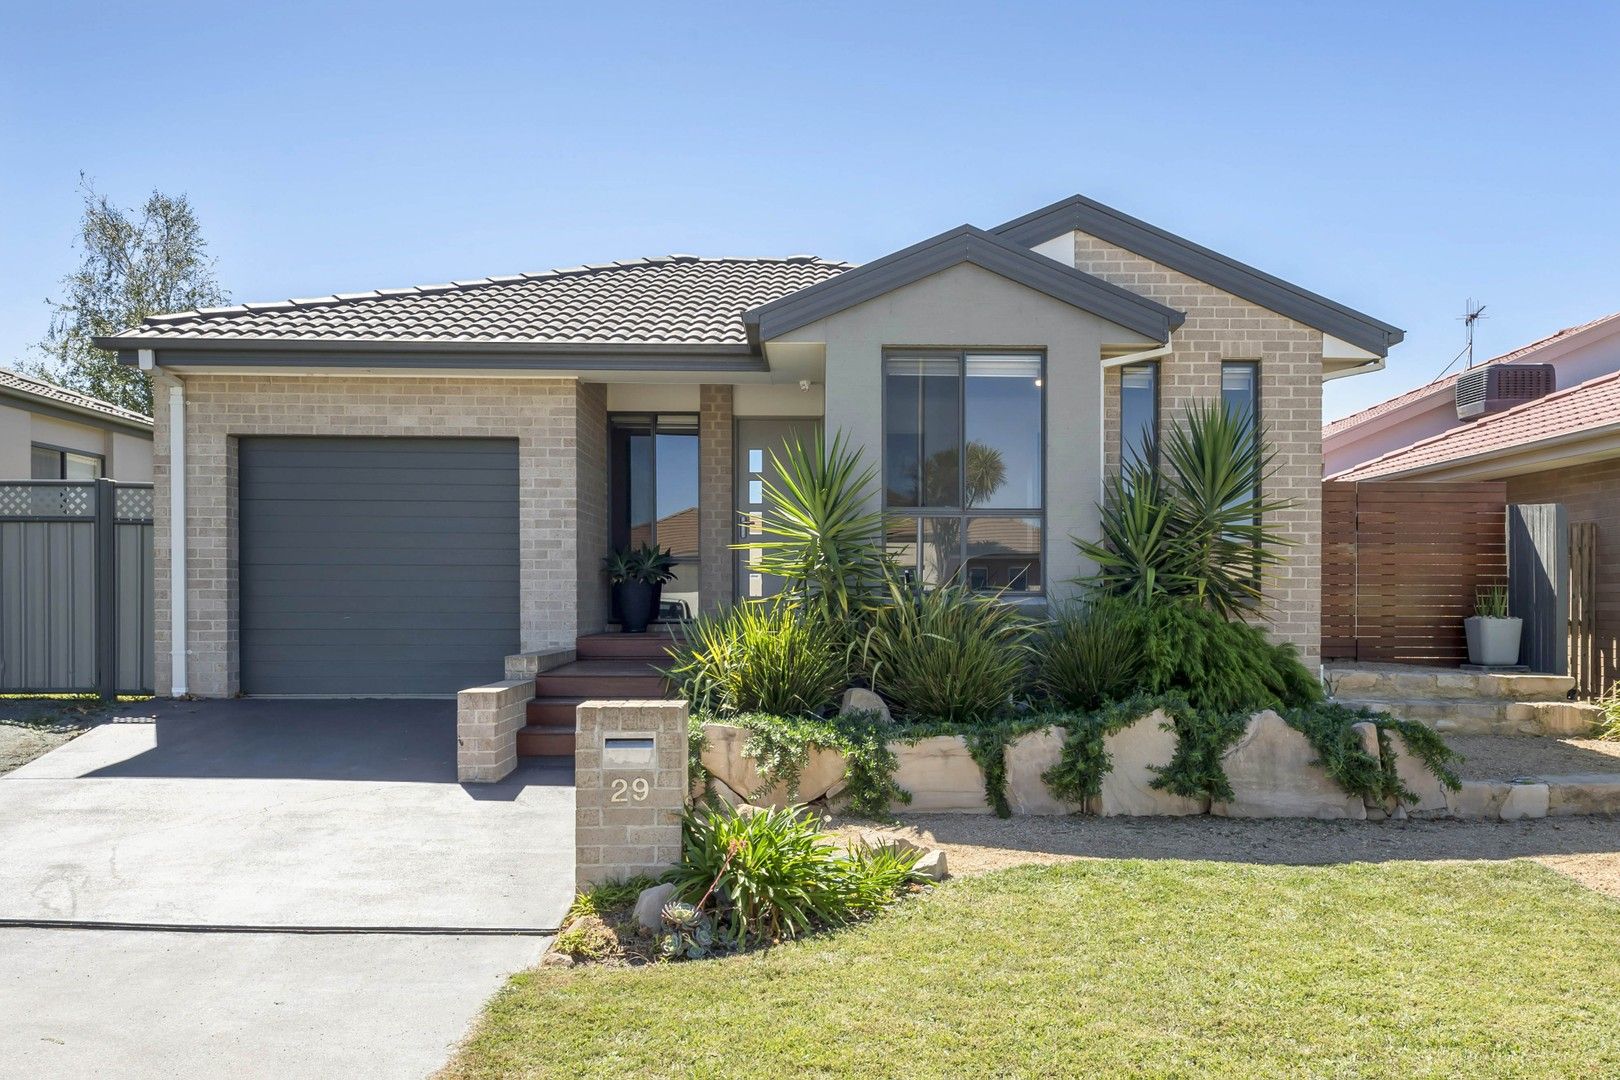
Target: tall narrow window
x=1139 y=414
x=963 y=437
x=1240 y=388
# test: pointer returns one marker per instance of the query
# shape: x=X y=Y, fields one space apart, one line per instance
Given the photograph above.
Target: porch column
x=716 y=498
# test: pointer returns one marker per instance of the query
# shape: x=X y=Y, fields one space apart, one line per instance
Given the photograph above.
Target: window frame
x=920 y=514
x=1158 y=412
x=62 y=453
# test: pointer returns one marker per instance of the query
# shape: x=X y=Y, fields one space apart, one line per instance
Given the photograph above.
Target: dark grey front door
x=376 y=567
x=755 y=440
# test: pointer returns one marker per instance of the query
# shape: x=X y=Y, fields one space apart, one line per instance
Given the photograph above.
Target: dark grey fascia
x=503 y=356
x=1078 y=213
x=965 y=244
x=60 y=410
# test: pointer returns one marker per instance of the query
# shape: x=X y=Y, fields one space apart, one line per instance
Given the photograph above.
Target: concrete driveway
x=332 y=900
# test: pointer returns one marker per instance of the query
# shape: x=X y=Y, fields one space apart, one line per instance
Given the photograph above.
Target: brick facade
x=716 y=497
x=559 y=534
x=1222 y=327
x=634 y=827
x=1589 y=492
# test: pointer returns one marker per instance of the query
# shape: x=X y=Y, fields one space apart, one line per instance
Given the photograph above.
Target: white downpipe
x=177 y=541
x=1102 y=405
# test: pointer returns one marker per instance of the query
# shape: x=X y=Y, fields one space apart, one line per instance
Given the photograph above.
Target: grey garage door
x=376 y=566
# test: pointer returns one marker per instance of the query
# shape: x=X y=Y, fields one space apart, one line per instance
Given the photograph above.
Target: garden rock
x=857 y=699
x=1525 y=801
x=1126 y=788
x=891 y=841
x=1273 y=774
x=650 y=906
x=723 y=792
x=1592 y=793
x=1028 y=758
x=1478 y=799
x=723 y=756
x=1366 y=733
x=941 y=775
x=1416 y=777
x=932 y=866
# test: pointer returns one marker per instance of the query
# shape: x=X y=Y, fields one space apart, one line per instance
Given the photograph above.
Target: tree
x=135 y=263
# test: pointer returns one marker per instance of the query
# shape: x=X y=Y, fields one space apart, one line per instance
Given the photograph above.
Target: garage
x=376 y=567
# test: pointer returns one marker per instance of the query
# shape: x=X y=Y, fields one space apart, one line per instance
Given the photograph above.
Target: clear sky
x=1397 y=157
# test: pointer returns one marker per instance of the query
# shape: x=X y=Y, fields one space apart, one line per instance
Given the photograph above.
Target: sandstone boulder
x=1028 y=757
x=1416 y=778
x=1478 y=799
x=1586 y=793
x=650 y=904
x=940 y=774
x=1127 y=786
x=723 y=756
x=932 y=866
x=1526 y=801
x=1273 y=774
x=858 y=699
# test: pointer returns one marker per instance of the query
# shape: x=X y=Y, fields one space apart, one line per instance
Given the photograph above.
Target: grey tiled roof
x=18 y=383
x=674 y=300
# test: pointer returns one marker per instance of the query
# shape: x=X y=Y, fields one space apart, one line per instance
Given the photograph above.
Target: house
x=1571 y=356
x=1562 y=446
x=48 y=432
x=386 y=492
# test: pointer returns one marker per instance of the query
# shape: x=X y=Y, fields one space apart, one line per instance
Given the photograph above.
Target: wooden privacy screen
x=1400 y=563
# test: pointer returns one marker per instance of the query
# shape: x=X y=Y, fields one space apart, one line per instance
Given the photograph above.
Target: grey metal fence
x=75 y=587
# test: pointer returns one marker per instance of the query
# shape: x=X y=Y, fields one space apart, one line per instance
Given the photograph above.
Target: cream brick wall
x=1220 y=327
x=716 y=497
x=550 y=418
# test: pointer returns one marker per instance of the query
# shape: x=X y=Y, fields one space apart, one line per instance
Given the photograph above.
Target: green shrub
x=772 y=874
x=1195 y=530
x=761 y=658
x=821 y=536
x=1089 y=654
x=1609 y=726
x=946 y=654
x=1221 y=666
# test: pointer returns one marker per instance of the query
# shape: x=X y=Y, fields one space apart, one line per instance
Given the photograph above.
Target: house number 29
x=629 y=790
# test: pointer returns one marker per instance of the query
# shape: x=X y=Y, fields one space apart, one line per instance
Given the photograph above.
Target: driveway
x=267 y=888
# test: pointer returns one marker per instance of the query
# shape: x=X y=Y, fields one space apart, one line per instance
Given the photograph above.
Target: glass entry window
x=963 y=461
x=653 y=494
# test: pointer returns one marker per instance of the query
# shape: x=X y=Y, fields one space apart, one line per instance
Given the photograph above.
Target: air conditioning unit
x=1495 y=387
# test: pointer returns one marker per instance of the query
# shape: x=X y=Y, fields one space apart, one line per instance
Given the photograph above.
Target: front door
x=755 y=441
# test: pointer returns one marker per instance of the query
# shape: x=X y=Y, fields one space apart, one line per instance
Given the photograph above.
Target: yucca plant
x=822 y=534
x=766 y=658
x=947 y=654
x=1090 y=654
x=1197 y=528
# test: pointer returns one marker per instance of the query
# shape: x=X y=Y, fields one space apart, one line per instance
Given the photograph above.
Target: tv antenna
x=1472 y=313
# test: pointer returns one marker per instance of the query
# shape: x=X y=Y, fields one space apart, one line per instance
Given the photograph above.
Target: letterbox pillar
x=630 y=788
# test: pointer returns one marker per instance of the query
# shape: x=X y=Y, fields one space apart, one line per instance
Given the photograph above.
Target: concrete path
x=258 y=814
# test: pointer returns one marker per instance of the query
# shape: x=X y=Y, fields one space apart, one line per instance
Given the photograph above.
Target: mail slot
x=629 y=752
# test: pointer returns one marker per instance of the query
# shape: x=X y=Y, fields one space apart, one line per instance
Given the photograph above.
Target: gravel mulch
x=1504 y=757
x=1585 y=848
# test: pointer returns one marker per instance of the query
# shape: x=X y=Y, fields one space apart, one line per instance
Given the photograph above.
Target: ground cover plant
x=1118 y=968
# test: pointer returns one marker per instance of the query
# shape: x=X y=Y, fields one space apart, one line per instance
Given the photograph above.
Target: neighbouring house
x=48 y=432
x=1560 y=443
x=386 y=492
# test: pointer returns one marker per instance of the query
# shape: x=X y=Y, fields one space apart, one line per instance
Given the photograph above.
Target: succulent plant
x=688 y=933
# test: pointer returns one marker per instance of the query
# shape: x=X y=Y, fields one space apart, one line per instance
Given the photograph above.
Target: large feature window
x=963 y=481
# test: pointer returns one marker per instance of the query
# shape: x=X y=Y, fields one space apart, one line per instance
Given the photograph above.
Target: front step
x=1409 y=682
x=615 y=667
x=601 y=679
x=1487 y=717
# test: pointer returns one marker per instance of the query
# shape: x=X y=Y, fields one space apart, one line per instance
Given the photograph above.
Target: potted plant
x=638 y=576
x=1493 y=634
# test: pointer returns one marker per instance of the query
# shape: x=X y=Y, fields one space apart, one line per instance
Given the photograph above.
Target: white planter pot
x=1493 y=642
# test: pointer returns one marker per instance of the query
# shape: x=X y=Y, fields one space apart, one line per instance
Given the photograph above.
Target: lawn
x=1108 y=967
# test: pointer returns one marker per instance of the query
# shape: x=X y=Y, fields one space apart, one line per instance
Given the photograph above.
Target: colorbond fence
x=75 y=587
x=1400 y=565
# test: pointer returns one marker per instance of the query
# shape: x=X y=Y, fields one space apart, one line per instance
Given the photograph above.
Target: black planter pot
x=636 y=603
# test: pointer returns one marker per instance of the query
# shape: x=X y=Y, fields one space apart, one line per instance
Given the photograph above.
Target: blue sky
x=1397 y=157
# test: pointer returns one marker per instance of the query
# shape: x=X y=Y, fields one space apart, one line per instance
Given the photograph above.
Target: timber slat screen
x=1583 y=564
x=1401 y=561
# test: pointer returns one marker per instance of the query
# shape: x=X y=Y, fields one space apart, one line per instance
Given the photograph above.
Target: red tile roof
x=1444 y=384
x=1584 y=408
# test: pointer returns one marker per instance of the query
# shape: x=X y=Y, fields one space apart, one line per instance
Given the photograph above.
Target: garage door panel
x=376 y=566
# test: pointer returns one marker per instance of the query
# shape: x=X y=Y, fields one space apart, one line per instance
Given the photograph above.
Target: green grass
x=1119 y=968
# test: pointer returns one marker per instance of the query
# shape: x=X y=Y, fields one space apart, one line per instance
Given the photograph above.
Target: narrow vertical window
x=1240 y=388
x=1139 y=414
